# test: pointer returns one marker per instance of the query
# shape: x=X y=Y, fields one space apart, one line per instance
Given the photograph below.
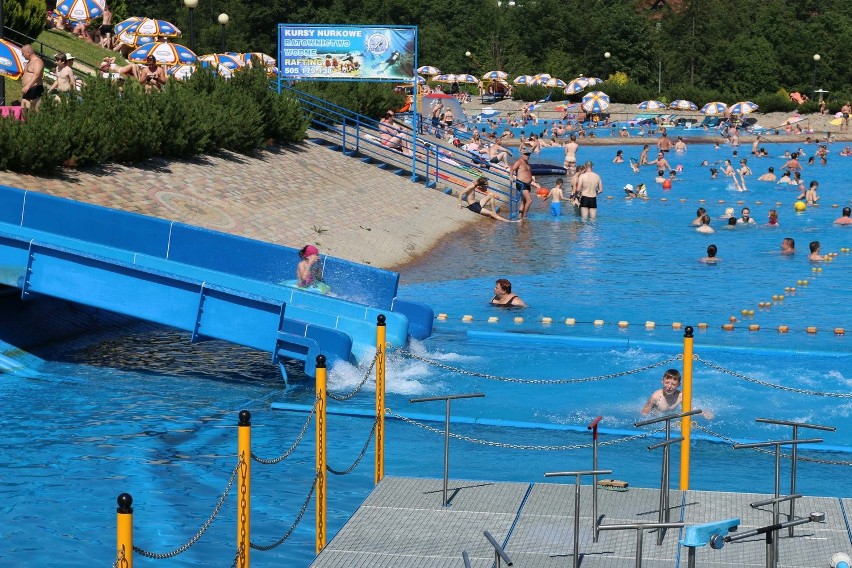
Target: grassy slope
x=56 y=41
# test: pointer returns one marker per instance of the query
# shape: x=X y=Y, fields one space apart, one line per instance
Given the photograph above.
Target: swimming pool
x=142 y=411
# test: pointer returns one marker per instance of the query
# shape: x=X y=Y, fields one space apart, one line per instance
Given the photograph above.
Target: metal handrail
x=795 y=454
x=499 y=553
x=664 y=475
x=41 y=53
x=640 y=533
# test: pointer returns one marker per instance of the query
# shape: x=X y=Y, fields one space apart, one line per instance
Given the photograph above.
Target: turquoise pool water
x=142 y=411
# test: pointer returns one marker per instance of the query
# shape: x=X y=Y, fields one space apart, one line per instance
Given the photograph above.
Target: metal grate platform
x=402 y=524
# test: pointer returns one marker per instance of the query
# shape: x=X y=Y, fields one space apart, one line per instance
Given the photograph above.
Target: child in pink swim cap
x=304 y=272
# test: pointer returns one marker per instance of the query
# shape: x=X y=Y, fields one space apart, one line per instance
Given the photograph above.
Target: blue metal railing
x=432 y=162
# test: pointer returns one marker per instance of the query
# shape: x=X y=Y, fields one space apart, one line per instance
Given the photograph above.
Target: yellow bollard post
x=686 y=422
x=244 y=489
x=381 y=333
x=320 y=450
x=124 y=531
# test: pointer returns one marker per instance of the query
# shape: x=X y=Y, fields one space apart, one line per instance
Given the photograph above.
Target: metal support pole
x=2 y=79
x=244 y=489
x=795 y=454
x=686 y=421
x=499 y=554
x=772 y=544
x=447 y=399
x=640 y=532
x=381 y=335
x=191 y=31
x=578 y=475
x=594 y=428
x=664 y=481
x=124 y=531
x=321 y=453
x=770 y=530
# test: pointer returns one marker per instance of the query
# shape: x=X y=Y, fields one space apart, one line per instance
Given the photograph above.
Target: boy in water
x=667 y=398
x=556 y=197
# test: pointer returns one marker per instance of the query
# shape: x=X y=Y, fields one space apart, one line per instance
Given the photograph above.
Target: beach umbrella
x=488 y=112
x=592 y=81
x=156 y=28
x=268 y=60
x=567 y=108
x=428 y=70
x=12 y=62
x=681 y=104
x=165 y=53
x=596 y=101
x=124 y=24
x=743 y=107
x=714 y=108
x=522 y=80
x=181 y=72
x=466 y=79
x=555 y=83
x=81 y=10
x=223 y=59
x=575 y=86
x=444 y=78
x=132 y=40
x=540 y=79
x=652 y=105
x=495 y=75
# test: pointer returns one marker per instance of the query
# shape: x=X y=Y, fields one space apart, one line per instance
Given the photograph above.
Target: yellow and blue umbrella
x=428 y=70
x=165 y=53
x=681 y=104
x=596 y=101
x=577 y=85
x=81 y=10
x=652 y=105
x=495 y=76
x=268 y=60
x=522 y=80
x=541 y=78
x=181 y=72
x=713 y=108
x=592 y=81
x=743 y=107
x=466 y=79
x=130 y=39
x=444 y=78
x=555 y=83
x=216 y=59
x=12 y=62
x=155 y=28
x=124 y=24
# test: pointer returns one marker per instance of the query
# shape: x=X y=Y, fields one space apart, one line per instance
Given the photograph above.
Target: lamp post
x=469 y=55
x=223 y=21
x=191 y=5
x=607 y=55
x=816 y=62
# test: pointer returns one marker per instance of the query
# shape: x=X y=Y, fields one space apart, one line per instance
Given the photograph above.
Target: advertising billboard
x=341 y=52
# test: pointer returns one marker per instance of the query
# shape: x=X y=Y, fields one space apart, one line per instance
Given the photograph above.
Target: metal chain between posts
x=352 y=467
x=536 y=381
x=120 y=560
x=237 y=557
x=772 y=385
x=524 y=446
x=295 y=523
x=342 y=397
x=201 y=531
x=772 y=452
x=286 y=454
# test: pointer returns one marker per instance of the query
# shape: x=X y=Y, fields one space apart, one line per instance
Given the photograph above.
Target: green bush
x=106 y=123
x=775 y=102
x=24 y=16
x=370 y=99
x=532 y=93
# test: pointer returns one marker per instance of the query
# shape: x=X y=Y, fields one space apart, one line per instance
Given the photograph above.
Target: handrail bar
x=499 y=553
x=640 y=533
x=41 y=53
x=666 y=443
x=798 y=424
x=667 y=417
x=781 y=499
x=778 y=443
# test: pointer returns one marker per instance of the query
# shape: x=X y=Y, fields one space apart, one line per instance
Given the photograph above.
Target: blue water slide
x=196 y=279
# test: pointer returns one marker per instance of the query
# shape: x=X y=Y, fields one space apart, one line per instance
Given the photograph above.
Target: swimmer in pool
x=305 y=275
x=711 y=255
x=667 y=398
x=503 y=296
x=788 y=246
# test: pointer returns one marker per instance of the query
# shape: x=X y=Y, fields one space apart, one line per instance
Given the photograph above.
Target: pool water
x=141 y=410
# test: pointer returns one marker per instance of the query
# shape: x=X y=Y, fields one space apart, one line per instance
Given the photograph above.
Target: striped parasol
x=181 y=72
x=595 y=102
x=155 y=28
x=681 y=104
x=522 y=80
x=652 y=105
x=12 y=62
x=124 y=24
x=165 y=53
x=713 y=108
x=495 y=76
x=555 y=83
x=224 y=59
x=428 y=70
x=577 y=85
x=743 y=107
x=81 y=10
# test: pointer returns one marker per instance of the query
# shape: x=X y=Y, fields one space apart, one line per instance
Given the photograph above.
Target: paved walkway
x=292 y=196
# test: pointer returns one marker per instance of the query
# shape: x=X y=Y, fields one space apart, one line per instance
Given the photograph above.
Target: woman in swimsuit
x=503 y=296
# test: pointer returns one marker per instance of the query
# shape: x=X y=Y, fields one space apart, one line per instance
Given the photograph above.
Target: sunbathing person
x=483 y=206
x=392 y=135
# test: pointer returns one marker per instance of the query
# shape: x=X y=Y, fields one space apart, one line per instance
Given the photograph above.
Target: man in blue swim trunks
x=521 y=175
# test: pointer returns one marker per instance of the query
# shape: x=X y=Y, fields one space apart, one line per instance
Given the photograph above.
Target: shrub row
x=108 y=123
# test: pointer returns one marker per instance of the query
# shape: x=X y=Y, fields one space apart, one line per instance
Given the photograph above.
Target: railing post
x=381 y=333
x=244 y=489
x=593 y=426
x=320 y=451
x=686 y=421
x=124 y=531
x=344 y=134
